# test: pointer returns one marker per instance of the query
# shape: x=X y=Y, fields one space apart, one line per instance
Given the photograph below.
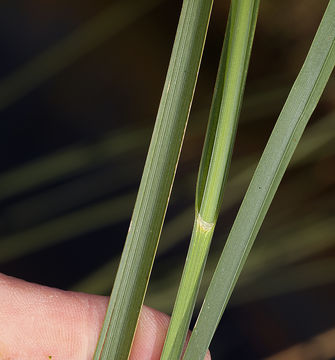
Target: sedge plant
x=140 y=247
x=44 y=221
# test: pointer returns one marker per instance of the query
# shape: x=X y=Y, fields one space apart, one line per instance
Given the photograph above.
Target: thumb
x=41 y=323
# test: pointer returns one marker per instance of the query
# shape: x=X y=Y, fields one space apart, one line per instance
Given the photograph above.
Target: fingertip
x=55 y=315
x=150 y=334
x=208 y=355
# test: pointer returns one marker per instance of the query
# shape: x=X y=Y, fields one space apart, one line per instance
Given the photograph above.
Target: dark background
x=80 y=84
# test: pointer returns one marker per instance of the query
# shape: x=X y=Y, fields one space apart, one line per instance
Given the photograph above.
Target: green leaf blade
x=149 y=212
x=214 y=166
x=296 y=112
x=234 y=65
x=187 y=293
x=67 y=51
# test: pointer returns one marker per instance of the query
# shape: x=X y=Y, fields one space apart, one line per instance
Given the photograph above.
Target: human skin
x=41 y=323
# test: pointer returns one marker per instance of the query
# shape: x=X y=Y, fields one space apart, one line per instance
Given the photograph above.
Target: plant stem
x=188 y=289
x=299 y=106
x=214 y=166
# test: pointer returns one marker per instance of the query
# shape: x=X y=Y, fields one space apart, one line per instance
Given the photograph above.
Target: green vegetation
x=145 y=227
x=294 y=246
x=214 y=164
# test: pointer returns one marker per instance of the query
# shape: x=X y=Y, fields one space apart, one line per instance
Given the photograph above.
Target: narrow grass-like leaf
x=60 y=229
x=67 y=51
x=69 y=162
x=80 y=158
x=292 y=120
x=149 y=212
x=289 y=279
x=214 y=166
x=225 y=109
x=106 y=213
x=310 y=148
x=100 y=281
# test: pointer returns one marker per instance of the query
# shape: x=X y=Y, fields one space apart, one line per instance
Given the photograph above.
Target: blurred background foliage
x=80 y=84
